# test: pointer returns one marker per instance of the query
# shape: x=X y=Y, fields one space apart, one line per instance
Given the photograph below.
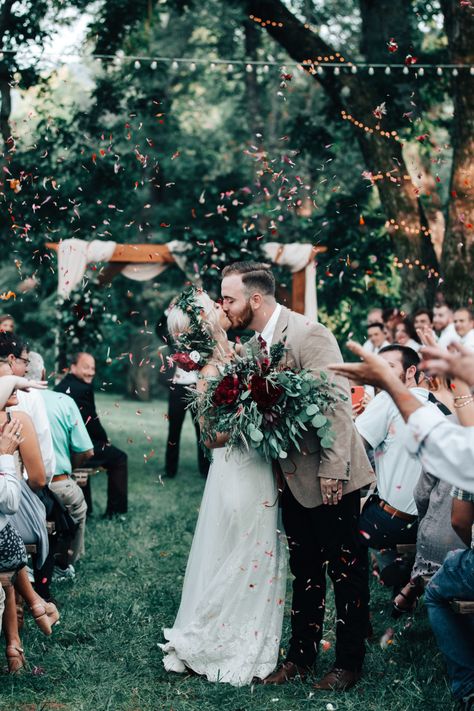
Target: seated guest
x=16 y=354
x=455 y=633
x=464 y=325
x=422 y=319
x=7 y=323
x=376 y=338
x=12 y=550
x=406 y=335
x=71 y=441
x=78 y=384
x=390 y=516
x=30 y=518
x=435 y=538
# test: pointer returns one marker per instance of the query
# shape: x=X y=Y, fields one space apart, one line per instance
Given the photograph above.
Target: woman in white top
x=405 y=335
x=12 y=550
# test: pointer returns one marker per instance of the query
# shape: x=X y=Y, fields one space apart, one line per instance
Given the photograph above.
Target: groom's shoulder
x=305 y=325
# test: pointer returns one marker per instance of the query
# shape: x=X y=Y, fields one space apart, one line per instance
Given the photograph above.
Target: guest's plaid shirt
x=462 y=495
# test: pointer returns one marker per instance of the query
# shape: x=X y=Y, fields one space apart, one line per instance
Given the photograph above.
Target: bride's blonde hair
x=193 y=322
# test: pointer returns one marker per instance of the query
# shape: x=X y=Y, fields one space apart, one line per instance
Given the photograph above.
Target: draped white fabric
x=229 y=622
x=73 y=257
x=296 y=257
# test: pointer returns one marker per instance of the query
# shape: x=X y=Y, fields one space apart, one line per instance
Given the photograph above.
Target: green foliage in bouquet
x=261 y=403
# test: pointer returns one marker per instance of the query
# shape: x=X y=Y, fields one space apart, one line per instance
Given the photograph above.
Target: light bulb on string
x=439 y=71
x=248 y=68
x=192 y=66
x=230 y=67
x=371 y=71
x=421 y=71
x=471 y=71
x=212 y=66
x=320 y=71
x=137 y=64
x=354 y=69
x=455 y=72
x=154 y=65
x=388 y=70
x=266 y=68
x=174 y=65
x=337 y=71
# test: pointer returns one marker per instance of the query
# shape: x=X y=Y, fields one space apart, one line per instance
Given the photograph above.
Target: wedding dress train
x=229 y=621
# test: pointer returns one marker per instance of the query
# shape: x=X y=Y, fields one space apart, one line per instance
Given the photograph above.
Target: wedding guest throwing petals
x=321 y=489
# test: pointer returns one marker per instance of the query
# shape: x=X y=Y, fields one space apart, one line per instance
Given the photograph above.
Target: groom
x=321 y=499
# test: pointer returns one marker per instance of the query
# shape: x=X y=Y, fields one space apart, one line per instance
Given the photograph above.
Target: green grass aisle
x=104 y=654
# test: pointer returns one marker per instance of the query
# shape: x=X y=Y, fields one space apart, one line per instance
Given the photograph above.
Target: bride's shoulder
x=209 y=371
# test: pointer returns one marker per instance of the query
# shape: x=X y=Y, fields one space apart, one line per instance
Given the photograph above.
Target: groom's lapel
x=281 y=326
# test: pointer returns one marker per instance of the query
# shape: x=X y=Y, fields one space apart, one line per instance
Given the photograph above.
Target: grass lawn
x=104 y=655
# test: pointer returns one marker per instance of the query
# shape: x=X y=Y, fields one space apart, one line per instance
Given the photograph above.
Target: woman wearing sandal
x=12 y=549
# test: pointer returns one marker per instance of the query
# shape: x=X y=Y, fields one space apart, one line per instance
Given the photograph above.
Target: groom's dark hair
x=256 y=276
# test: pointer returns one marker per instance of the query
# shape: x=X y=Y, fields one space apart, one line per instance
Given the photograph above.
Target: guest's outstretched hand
x=458 y=362
x=25 y=384
x=373 y=370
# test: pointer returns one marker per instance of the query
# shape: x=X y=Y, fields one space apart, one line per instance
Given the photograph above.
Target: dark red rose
x=183 y=361
x=264 y=393
x=227 y=391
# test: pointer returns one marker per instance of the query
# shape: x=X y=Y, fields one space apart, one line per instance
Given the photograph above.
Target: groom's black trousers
x=326 y=538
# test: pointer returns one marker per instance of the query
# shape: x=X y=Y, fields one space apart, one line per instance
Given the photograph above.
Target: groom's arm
x=318 y=349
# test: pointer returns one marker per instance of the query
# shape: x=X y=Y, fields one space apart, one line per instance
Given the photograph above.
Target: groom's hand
x=331 y=490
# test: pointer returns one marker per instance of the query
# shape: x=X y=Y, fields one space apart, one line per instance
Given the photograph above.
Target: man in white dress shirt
x=376 y=337
x=464 y=325
x=443 y=325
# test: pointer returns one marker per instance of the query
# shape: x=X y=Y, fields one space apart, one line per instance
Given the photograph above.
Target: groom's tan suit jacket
x=310 y=345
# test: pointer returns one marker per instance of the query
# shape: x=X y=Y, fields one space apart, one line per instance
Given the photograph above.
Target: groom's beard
x=243 y=320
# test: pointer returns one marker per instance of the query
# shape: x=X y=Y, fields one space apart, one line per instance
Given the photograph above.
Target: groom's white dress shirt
x=269 y=330
x=444 y=448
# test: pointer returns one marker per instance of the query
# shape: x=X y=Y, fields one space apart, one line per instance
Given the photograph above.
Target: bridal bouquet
x=263 y=404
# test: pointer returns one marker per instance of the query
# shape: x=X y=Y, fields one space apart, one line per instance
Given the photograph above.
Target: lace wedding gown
x=229 y=621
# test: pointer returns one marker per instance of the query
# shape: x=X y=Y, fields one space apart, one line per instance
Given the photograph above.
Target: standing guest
x=177 y=404
x=443 y=325
x=78 y=384
x=7 y=323
x=422 y=319
x=464 y=325
x=321 y=498
x=376 y=337
x=72 y=447
x=406 y=335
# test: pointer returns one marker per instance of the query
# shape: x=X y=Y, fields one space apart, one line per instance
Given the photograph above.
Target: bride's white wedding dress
x=229 y=621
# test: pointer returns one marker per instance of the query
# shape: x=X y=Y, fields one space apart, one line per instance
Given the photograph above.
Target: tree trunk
x=382 y=152
x=458 y=252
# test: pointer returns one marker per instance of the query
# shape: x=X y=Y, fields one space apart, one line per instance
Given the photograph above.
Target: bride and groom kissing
x=229 y=622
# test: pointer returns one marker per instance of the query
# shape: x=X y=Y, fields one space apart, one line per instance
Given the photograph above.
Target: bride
x=229 y=622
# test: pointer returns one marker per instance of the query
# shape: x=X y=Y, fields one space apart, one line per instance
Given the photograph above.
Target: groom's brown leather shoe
x=338 y=680
x=286 y=672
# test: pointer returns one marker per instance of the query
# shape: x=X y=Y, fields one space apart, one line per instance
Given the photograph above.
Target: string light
x=404 y=227
x=330 y=61
x=368 y=129
x=264 y=23
x=407 y=264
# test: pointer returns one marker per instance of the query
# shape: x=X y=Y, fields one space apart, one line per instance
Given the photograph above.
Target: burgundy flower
x=264 y=393
x=227 y=391
x=183 y=361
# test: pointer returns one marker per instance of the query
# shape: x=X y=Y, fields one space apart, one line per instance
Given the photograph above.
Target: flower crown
x=195 y=345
